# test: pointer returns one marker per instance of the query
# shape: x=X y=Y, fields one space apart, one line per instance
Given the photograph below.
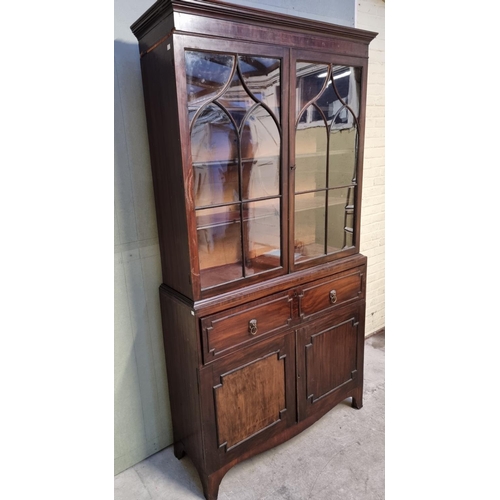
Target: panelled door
x=249 y=396
x=329 y=359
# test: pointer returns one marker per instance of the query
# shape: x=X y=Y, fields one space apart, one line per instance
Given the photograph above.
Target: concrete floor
x=340 y=457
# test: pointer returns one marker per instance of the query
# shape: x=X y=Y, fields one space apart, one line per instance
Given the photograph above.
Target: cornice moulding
x=237 y=13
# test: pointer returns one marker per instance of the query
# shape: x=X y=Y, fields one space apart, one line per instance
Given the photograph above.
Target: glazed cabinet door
x=236 y=115
x=330 y=360
x=326 y=130
x=248 y=398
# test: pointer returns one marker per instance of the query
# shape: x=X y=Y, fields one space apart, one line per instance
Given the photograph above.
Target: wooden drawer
x=327 y=293
x=226 y=331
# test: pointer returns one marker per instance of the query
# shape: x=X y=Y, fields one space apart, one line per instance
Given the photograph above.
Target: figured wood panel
x=330 y=359
x=250 y=399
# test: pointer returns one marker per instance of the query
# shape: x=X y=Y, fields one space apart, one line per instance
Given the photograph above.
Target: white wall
x=370 y=15
x=142 y=412
x=329 y=11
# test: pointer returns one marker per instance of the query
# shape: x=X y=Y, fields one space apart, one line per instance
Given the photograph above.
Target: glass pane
x=206 y=75
x=341 y=170
x=311 y=78
x=260 y=151
x=219 y=245
x=262 y=235
x=343 y=137
x=214 y=150
x=340 y=219
x=344 y=91
x=328 y=102
x=236 y=100
x=309 y=225
x=262 y=77
x=347 y=86
x=310 y=153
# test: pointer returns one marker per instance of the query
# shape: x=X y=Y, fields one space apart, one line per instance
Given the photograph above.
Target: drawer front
x=331 y=292
x=233 y=328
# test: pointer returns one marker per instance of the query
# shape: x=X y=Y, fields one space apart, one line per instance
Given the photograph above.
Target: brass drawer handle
x=333 y=296
x=252 y=327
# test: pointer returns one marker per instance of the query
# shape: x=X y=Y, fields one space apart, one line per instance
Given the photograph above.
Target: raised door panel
x=330 y=360
x=257 y=393
x=248 y=398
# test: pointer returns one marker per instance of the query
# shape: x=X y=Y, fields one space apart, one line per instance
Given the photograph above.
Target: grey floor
x=340 y=457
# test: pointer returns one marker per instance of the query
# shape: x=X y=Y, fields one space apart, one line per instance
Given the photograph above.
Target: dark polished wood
x=160 y=97
x=331 y=292
x=329 y=360
x=180 y=338
x=247 y=398
x=238 y=22
x=244 y=325
x=252 y=358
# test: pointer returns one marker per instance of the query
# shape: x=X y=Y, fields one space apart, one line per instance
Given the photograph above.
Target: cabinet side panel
x=181 y=343
x=166 y=163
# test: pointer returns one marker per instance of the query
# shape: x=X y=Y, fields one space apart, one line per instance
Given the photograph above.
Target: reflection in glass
x=214 y=150
x=234 y=106
x=236 y=100
x=206 y=75
x=262 y=78
x=309 y=225
x=310 y=154
x=311 y=79
x=340 y=219
x=260 y=152
x=261 y=229
x=326 y=105
x=219 y=244
x=325 y=150
x=347 y=81
x=343 y=126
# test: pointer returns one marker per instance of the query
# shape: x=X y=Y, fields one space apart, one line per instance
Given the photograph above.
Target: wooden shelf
x=316 y=202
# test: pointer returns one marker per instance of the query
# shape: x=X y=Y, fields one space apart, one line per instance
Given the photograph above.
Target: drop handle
x=252 y=327
x=333 y=296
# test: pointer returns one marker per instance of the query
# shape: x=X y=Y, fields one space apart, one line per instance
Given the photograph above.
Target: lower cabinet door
x=248 y=397
x=329 y=360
